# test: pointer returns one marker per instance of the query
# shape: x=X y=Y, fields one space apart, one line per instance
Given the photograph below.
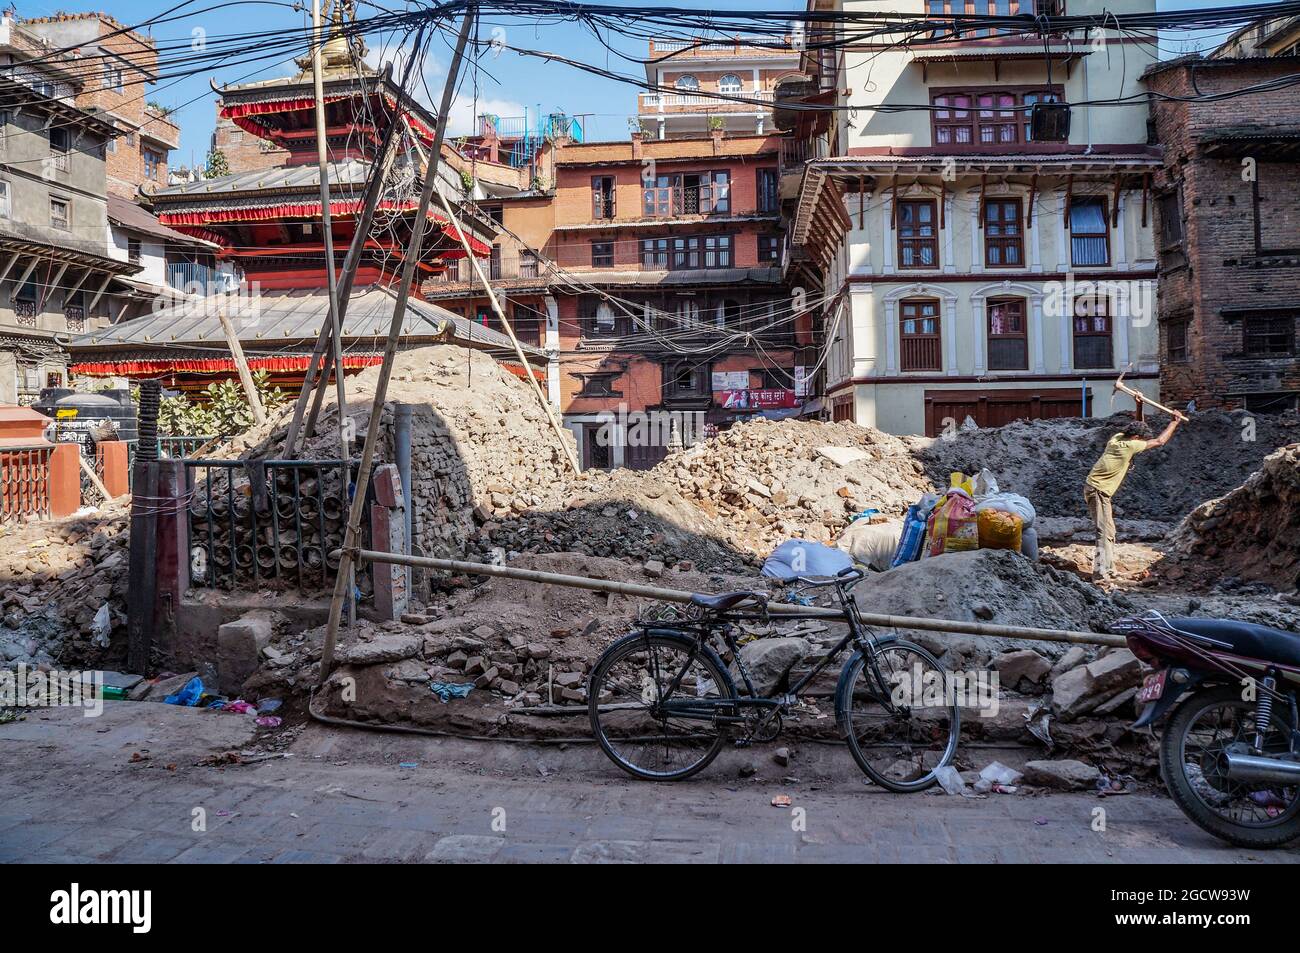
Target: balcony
x=714 y=48
x=159 y=127
x=695 y=102
x=515 y=266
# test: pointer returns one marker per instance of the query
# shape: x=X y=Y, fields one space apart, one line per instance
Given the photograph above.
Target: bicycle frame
x=721 y=623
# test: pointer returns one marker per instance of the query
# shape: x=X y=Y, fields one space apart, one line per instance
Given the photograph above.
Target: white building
x=971 y=267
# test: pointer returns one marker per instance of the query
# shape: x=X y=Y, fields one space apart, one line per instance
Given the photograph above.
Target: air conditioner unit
x=1050 y=122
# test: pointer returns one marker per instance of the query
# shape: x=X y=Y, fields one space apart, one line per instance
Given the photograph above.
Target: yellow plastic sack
x=960 y=481
x=999 y=530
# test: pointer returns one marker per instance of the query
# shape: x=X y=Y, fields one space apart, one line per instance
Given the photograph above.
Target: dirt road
x=71 y=791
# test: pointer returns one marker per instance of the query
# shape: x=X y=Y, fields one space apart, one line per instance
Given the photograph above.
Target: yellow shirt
x=1111 y=467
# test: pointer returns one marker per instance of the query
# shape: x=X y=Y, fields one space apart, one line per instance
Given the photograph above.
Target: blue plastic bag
x=802 y=557
x=189 y=695
x=912 y=538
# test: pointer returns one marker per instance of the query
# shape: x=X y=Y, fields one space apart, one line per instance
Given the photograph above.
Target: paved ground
x=70 y=791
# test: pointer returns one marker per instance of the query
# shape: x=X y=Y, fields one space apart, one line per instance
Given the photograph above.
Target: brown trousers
x=1103 y=517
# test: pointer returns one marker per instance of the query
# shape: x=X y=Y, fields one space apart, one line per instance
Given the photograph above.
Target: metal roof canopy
x=284 y=321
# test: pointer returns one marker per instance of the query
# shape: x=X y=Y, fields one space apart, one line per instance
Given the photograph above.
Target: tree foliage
x=222 y=411
x=217 y=165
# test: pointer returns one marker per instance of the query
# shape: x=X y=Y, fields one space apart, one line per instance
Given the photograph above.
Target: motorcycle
x=1230 y=751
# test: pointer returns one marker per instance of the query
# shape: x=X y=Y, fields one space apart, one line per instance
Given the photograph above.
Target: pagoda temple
x=268 y=222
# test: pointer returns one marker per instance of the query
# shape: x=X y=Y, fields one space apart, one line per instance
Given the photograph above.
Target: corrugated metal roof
x=347 y=172
x=131 y=216
x=271 y=322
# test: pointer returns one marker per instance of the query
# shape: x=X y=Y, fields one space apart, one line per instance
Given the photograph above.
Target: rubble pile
x=481 y=447
x=1048 y=460
x=1251 y=534
x=63 y=589
x=770 y=481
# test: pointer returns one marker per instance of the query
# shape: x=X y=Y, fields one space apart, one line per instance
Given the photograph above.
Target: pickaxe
x=1143 y=399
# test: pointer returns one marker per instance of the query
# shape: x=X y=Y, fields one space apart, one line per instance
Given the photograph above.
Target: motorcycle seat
x=727 y=600
x=1246 y=638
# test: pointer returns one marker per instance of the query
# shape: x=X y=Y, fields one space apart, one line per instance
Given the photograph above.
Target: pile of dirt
x=995 y=586
x=1250 y=534
x=1048 y=460
x=63 y=589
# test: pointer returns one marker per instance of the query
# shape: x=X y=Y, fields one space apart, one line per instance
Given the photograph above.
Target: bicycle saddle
x=727 y=600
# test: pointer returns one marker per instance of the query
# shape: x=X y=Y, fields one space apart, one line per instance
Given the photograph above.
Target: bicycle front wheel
x=655 y=703
x=900 y=720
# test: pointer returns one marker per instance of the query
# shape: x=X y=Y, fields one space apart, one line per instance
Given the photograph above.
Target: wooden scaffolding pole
x=348 y=559
x=775 y=608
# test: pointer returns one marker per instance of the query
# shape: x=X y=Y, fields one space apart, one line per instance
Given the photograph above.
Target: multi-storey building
x=700 y=86
x=975 y=263
x=1227 y=208
x=650 y=272
x=56 y=274
x=127 y=64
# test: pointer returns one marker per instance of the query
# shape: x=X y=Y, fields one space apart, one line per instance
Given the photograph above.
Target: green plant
x=222 y=410
x=717 y=123
x=216 y=165
x=466 y=180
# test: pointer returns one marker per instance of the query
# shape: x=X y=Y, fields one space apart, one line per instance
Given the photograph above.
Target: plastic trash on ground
x=189 y=695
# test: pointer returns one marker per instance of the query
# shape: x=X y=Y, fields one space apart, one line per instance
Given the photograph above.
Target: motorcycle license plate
x=1153 y=686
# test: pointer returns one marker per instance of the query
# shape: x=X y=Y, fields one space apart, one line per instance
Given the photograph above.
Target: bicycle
x=662 y=703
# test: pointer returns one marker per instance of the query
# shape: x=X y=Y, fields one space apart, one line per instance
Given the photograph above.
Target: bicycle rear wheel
x=899 y=732
x=653 y=702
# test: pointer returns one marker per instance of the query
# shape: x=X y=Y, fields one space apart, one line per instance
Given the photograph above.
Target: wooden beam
x=9 y=266
x=241 y=365
x=1114 y=201
x=984 y=184
x=1033 y=194
x=1146 y=193
x=54 y=283
x=1069 y=198
x=943 y=203
x=893 y=217
x=80 y=281
x=27 y=273
x=98 y=294
x=862 y=205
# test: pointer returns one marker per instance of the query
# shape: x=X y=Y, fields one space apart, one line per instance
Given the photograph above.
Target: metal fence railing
x=265 y=522
x=25 y=483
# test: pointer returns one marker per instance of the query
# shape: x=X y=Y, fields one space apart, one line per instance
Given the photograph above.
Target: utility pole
x=419 y=227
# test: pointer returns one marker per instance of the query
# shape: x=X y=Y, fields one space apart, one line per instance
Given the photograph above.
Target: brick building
x=245 y=152
x=127 y=64
x=1228 y=216
x=650 y=272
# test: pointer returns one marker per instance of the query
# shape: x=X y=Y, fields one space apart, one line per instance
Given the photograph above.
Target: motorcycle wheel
x=1185 y=746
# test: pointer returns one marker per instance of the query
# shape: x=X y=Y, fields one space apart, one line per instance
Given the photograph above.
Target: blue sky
x=507 y=83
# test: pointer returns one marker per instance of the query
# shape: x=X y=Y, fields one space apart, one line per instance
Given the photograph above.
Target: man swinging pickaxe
x=1108 y=473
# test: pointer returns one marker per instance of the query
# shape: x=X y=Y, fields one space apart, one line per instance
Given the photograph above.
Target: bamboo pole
x=419 y=227
x=317 y=364
x=778 y=608
x=332 y=285
x=569 y=453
